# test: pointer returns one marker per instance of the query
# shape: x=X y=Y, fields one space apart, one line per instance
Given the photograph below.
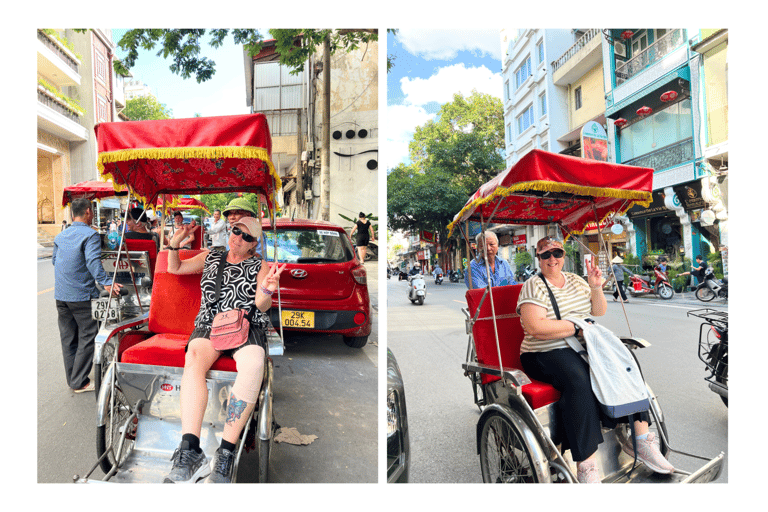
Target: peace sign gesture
x=272 y=279
x=594 y=274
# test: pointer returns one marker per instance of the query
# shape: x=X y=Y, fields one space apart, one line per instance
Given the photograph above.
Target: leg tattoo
x=235 y=409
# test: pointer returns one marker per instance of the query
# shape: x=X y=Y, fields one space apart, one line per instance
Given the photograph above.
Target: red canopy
x=91 y=190
x=181 y=203
x=202 y=155
x=543 y=188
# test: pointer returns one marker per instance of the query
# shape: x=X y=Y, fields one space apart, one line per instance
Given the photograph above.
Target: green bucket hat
x=239 y=203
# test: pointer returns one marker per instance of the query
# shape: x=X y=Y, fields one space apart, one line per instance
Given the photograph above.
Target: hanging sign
x=594 y=142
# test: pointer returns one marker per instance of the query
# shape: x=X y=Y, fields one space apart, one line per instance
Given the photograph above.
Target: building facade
x=294 y=105
x=76 y=84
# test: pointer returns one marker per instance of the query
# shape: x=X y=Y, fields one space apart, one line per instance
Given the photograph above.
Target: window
x=577 y=98
x=509 y=133
x=639 y=42
x=100 y=65
x=522 y=73
x=506 y=91
x=525 y=120
x=540 y=51
x=663 y=128
x=274 y=89
x=543 y=104
x=102 y=110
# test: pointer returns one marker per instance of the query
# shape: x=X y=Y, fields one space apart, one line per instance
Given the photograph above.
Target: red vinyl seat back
x=511 y=336
x=197 y=243
x=175 y=298
x=148 y=246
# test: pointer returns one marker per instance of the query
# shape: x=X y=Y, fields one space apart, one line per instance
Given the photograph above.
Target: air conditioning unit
x=619 y=49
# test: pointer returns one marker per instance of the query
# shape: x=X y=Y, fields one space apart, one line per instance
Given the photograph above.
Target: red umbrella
x=543 y=188
x=91 y=190
x=202 y=155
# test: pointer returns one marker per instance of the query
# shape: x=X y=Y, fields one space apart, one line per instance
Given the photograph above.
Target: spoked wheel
x=265 y=450
x=109 y=435
x=504 y=454
x=705 y=294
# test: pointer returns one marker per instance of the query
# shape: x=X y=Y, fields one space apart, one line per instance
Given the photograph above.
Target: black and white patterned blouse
x=238 y=290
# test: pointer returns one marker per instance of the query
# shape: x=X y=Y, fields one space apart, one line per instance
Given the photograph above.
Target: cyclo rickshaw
x=519 y=415
x=138 y=411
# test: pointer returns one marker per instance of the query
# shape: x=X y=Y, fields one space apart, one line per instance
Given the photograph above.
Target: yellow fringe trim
x=636 y=196
x=124 y=155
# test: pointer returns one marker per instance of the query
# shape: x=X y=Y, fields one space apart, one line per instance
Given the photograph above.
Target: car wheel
x=356 y=341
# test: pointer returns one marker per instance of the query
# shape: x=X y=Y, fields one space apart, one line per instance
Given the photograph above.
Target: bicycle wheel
x=100 y=367
x=108 y=435
x=504 y=454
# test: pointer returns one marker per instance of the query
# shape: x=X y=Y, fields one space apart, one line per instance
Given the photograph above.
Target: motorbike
x=455 y=276
x=519 y=416
x=139 y=360
x=439 y=278
x=525 y=274
x=712 y=287
x=713 y=349
x=639 y=284
x=417 y=289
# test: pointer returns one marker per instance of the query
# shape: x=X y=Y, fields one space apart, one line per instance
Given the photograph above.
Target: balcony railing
x=58 y=106
x=55 y=48
x=666 y=157
x=650 y=55
x=573 y=50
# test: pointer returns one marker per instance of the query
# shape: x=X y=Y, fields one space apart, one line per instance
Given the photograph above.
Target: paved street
x=430 y=344
x=322 y=387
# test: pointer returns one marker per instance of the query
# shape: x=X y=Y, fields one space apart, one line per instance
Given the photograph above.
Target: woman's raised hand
x=272 y=279
x=594 y=274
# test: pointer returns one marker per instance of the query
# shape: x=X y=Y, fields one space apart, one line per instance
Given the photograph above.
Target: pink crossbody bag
x=230 y=328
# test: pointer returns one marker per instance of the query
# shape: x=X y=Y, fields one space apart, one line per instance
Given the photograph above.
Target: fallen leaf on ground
x=292 y=436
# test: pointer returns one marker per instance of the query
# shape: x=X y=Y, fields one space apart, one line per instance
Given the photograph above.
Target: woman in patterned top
x=247 y=283
x=546 y=357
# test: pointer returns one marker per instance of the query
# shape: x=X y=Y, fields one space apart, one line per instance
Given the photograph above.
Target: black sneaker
x=222 y=464
x=188 y=466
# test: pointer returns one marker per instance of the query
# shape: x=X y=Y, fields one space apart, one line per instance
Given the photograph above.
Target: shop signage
x=519 y=240
x=656 y=207
x=594 y=142
x=690 y=196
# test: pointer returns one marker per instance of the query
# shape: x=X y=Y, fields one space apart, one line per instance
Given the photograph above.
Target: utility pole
x=325 y=159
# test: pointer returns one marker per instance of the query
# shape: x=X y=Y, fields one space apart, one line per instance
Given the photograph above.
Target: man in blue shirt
x=500 y=271
x=77 y=268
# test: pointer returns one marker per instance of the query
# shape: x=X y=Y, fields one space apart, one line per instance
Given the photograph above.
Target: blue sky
x=431 y=65
x=224 y=94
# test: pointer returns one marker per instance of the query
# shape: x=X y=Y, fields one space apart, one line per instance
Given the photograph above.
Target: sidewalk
x=44 y=252
x=372 y=269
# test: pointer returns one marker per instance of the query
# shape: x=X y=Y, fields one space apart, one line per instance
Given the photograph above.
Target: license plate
x=300 y=319
x=100 y=311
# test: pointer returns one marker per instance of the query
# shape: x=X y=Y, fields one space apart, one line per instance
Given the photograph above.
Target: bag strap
x=220 y=273
x=570 y=340
x=551 y=296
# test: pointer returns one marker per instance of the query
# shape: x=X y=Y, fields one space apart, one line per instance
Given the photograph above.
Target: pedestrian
x=500 y=271
x=365 y=235
x=77 y=269
x=618 y=271
x=218 y=231
x=697 y=270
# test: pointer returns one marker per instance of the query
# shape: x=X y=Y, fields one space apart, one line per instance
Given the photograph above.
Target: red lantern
x=668 y=96
x=627 y=34
x=644 y=111
x=620 y=122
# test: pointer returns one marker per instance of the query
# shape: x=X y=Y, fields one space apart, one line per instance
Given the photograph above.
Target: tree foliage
x=145 y=108
x=451 y=156
x=184 y=46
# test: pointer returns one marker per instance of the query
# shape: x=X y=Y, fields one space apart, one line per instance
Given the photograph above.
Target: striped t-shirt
x=573 y=299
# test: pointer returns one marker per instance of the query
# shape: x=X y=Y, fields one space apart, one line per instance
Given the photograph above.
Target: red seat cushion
x=135 y=244
x=172 y=312
x=168 y=350
x=511 y=336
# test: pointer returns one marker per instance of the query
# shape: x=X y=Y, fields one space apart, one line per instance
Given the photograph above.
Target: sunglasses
x=557 y=253
x=239 y=232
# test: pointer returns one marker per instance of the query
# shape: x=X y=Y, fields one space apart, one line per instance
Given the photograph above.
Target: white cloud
x=442 y=44
x=449 y=80
x=402 y=120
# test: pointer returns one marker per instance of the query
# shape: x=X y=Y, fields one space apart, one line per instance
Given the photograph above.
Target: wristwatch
x=577 y=331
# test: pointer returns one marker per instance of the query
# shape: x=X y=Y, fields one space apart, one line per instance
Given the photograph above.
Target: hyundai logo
x=299 y=273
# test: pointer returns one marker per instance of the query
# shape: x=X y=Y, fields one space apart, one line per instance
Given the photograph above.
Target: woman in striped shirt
x=546 y=357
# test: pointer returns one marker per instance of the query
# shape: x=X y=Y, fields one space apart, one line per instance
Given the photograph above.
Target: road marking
x=45 y=291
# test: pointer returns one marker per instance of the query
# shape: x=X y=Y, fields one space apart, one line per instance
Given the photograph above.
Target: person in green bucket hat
x=238 y=208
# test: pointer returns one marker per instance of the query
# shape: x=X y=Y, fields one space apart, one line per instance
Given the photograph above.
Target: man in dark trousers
x=77 y=268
